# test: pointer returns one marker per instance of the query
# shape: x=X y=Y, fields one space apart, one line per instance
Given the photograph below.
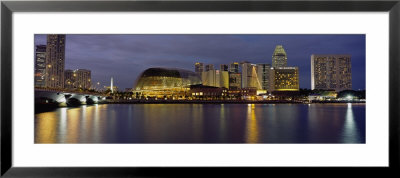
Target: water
x=203 y=123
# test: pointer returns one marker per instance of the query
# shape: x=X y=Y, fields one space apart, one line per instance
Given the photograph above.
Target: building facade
x=69 y=79
x=235 y=80
x=223 y=67
x=263 y=72
x=209 y=67
x=279 y=58
x=83 y=78
x=284 y=79
x=234 y=67
x=77 y=79
x=55 y=61
x=199 y=68
x=40 y=66
x=249 y=75
x=331 y=72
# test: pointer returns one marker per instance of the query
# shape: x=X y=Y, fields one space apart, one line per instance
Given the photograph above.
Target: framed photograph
x=161 y=88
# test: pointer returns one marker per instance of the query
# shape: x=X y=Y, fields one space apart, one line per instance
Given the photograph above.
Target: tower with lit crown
x=279 y=58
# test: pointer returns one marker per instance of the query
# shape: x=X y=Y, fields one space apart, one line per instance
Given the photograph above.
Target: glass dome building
x=165 y=83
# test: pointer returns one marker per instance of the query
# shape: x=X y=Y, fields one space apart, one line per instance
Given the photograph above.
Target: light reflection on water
x=203 y=123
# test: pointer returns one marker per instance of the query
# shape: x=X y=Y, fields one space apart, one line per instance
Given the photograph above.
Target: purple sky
x=124 y=57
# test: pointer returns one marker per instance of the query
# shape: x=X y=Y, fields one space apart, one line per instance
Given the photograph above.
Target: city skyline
x=125 y=57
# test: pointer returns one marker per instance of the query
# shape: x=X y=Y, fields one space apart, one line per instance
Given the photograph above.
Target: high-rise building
x=279 y=58
x=40 y=66
x=199 y=68
x=215 y=78
x=77 y=79
x=224 y=79
x=234 y=67
x=235 y=80
x=263 y=72
x=249 y=75
x=223 y=67
x=331 y=72
x=69 y=79
x=83 y=78
x=284 y=79
x=209 y=67
x=208 y=78
x=55 y=61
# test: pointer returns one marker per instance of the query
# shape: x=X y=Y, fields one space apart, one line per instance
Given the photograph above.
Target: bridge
x=67 y=97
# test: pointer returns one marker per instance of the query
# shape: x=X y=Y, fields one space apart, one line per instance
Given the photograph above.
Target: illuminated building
x=83 y=78
x=215 y=78
x=331 y=72
x=263 y=72
x=279 y=58
x=77 y=79
x=69 y=79
x=223 y=67
x=224 y=79
x=235 y=80
x=249 y=75
x=209 y=78
x=284 y=79
x=165 y=83
x=40 y=65
x=55 y=61
x=234 y=67
x=199 y=68
x=207 y=92
x=209 y=67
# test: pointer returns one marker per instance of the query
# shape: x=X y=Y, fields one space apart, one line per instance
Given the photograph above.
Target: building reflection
x=45 y=127
x=252 y=135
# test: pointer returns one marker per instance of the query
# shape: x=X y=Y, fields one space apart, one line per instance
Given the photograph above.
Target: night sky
x=124 y=57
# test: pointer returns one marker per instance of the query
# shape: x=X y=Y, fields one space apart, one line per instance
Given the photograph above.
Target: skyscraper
x=223 y=67
x=83 y=78
x=284 y=79
x=331 y=72
x=77 y=79
x=279 y=58
x=55 y=61
x=209 y=67
x=235 y=80
x=199 y=68
x=40 y=66
x=263 y=72
x=69 y=79
x=234 y=67
x=249 y=75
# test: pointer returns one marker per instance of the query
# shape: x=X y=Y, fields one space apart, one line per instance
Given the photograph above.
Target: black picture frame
x=8 y=7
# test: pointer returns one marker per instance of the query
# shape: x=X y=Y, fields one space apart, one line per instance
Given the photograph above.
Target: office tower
x=279 y=58
x=77 y=79
x=40 y=65
x=209 y=67
x=199 y=68
x=234 y=67
x=208 y=78
x=284 y=79
x=235 y=80
x=224 y=79
x=263 y=72
x=331 y=72
x=69 y=79
x=223 y=67
x=83 y=78
x=55 y=61
x=249 y=75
